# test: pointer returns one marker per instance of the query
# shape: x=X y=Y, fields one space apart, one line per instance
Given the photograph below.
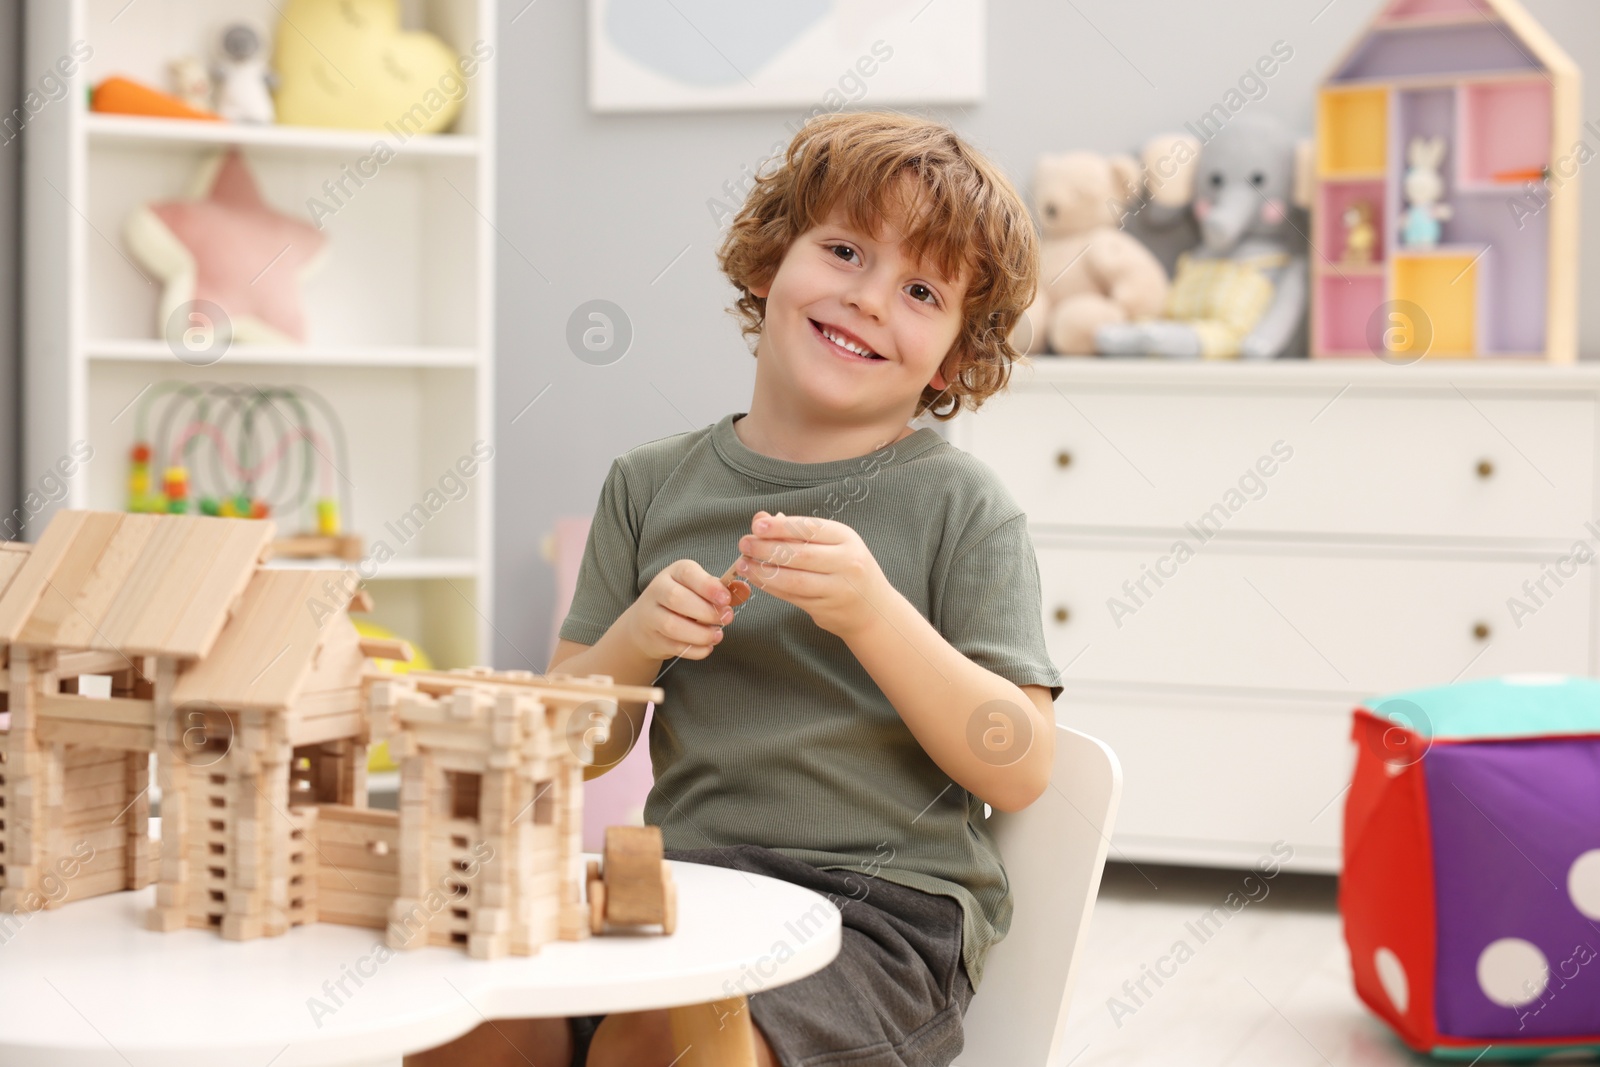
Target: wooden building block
x=330 y=879
x=373 y=906
x=353 y=858
x=93 y=885
x=488 y=946
x=408 y=923
x=166 y=918
x=242 y=927
x=370 y=922
x=76 y=732
x=116 y=711
x=377 y=841
x=386 y=648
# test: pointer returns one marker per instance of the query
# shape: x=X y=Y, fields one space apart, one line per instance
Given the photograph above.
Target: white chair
x=1054 y=852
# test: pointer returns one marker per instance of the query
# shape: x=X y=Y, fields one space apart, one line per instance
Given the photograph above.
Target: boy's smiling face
x=839 y=292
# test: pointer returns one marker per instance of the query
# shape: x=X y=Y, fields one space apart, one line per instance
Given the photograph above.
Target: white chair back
x=1054 y=852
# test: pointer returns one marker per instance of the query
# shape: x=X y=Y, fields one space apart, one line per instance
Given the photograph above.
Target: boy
x=845 y=727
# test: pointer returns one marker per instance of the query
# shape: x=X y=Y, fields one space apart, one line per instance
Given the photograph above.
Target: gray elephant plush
x=1242 y=292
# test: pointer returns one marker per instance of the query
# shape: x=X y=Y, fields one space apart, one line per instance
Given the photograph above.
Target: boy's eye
x=917 y=290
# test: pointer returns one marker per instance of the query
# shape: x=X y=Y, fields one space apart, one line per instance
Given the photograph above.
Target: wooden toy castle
x=1448 y=150
x=254 y=693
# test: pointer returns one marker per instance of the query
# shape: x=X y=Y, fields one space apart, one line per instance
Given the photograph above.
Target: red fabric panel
x=1386 y=889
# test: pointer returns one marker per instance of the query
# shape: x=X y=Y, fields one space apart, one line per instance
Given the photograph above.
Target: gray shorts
x=893 y=997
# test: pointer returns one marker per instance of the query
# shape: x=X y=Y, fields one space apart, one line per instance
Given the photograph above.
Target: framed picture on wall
x=680 y=55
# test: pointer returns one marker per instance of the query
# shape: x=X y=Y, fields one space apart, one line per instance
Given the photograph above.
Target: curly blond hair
x=969 y=216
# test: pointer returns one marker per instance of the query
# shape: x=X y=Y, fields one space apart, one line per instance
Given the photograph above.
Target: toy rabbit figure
x=1424 y=187
x=244 y=84
x=1359 y=236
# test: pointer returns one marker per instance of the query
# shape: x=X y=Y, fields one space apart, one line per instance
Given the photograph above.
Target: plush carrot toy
x=124 y=96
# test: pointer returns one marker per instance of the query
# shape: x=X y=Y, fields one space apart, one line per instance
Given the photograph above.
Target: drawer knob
x=1485 y=468
x=1063 y=459
x=1481 y=631
x=1062 y=615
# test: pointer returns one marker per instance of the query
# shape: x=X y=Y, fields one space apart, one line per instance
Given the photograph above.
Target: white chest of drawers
x=1233 y=555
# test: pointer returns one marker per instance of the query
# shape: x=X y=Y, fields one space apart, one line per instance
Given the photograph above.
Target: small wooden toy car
x=635 y=887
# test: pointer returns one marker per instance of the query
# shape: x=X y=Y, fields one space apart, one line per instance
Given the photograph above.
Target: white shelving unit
x=401 y=313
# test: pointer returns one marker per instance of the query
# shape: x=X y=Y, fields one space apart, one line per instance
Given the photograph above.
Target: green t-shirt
x=780 y=737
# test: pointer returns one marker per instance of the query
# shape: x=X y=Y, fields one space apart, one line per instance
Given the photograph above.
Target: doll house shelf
x=1503 y=96
x=401 y=313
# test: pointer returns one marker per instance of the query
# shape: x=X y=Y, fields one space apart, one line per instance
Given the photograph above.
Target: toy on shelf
x=124 y=96
x=634 y=887
x=1359 y=234
x=1424 y=188
x=243 y=83
x=1462 y=112
x=259 y=713
x=1242 y=292
x=256 y=451
x=1094 y=272
x=385 y=78
x=232 y=267
x=415 y=659
x=191 y=82
x=1526 y=174
x=1470 y=890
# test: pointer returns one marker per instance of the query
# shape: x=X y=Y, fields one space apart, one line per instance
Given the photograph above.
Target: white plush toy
x=244 y=84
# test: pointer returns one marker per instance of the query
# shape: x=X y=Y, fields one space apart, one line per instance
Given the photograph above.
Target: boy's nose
x=867 y=296
x=869 y=293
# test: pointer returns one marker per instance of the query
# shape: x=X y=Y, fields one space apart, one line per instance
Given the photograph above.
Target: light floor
x=1270 y=988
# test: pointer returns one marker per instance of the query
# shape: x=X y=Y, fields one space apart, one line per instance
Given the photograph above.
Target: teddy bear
x=1092 y=272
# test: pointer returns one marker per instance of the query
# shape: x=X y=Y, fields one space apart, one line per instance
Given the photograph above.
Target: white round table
x=88 y=986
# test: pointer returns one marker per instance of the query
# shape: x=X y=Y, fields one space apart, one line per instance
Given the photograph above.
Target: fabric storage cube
x=1471 y=885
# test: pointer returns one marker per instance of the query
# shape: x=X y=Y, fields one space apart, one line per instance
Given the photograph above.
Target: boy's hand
x=819 y=565
x=680 y=613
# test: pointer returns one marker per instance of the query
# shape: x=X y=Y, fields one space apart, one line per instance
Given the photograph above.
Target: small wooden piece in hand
x=738 y=588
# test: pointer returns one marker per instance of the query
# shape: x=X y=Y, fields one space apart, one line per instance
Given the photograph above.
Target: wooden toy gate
x=356 y=862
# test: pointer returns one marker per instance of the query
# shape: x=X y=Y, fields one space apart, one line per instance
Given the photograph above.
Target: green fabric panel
x=1545 y=1052
x=1530 y=705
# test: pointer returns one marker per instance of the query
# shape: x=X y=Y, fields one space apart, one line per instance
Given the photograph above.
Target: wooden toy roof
x=141 y=585
x=1525 y=41
x=12 y=556
x=268 y=650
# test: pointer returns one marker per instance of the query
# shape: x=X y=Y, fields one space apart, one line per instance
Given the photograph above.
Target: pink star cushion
x=227 y=246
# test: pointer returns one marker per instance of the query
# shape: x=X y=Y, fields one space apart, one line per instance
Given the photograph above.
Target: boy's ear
x=761 y=290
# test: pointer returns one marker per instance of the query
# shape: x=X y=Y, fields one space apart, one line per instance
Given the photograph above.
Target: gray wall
x=10 y=259
x=597 y=206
